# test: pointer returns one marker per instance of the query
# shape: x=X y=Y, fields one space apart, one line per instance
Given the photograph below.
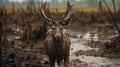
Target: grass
x=85 y=9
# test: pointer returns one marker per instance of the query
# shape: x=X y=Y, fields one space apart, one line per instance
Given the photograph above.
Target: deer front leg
x=66 y=61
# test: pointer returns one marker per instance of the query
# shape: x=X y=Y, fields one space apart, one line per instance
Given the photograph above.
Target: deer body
x=57 y=48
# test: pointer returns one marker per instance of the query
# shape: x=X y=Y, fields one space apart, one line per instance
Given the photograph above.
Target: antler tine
x=43 y=13
x=68 y=13
x=69 y=6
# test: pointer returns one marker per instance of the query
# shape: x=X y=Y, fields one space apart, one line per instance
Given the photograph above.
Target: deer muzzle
x=58 y=36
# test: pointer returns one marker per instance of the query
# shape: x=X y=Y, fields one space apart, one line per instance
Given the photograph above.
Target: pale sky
x=79 y=0
x=24 y=0
x=60 y=0
x=38 y=0
x=44 y=0
x=47 y=0
x=17 y=1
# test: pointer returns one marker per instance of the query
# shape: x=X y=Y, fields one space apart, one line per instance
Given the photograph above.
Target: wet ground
x=86 y=50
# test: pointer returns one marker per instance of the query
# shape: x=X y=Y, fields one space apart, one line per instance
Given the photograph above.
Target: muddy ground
x=87 y=46
x=87 y=50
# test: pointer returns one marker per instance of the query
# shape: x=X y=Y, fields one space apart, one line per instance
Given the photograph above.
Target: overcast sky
x=24 y=0
x=17 y=0
x=39 y=0
x=47 y=0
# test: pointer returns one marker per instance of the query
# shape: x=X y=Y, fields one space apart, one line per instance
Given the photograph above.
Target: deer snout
x=58 y=35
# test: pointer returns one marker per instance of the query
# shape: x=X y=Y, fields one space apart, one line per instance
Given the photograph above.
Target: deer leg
x=59 y=62
x=66 y=61
x=52 y=62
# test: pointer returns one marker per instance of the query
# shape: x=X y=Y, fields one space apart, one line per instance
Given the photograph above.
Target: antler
x=43 y=13
x=68 y=15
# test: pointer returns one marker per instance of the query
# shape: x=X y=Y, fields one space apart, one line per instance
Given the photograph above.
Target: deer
x=57 y=39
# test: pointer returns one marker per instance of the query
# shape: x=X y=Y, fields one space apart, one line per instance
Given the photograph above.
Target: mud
x=87 y=50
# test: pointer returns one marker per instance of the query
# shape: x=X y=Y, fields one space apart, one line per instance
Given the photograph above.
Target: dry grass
x=63 y=9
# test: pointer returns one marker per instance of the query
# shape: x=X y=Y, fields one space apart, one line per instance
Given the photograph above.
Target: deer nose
x=58 y=35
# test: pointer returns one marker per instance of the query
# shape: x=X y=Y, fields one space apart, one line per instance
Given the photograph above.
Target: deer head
x=57 y=27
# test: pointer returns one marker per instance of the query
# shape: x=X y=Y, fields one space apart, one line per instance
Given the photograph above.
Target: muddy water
x=79 y=40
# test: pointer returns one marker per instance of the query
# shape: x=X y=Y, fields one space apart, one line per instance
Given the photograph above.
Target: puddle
x=78 y=44
x=91 y=60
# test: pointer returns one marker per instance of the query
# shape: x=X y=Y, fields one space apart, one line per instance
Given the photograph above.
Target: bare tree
x=100 y=6
x=2 y=11
x=22 y=9
x=113 y=16
x=113 y=1
x=13 y=8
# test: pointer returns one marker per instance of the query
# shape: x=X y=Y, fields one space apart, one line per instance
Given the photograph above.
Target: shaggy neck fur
x=58 y=47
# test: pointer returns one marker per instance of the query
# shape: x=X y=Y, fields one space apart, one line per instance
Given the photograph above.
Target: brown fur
x=57 y=50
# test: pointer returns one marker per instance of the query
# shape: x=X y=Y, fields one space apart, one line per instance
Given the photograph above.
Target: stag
x=57 y=39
